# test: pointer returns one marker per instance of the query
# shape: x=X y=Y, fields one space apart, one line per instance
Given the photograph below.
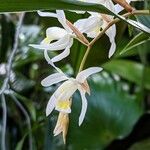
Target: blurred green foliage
x=118 y=94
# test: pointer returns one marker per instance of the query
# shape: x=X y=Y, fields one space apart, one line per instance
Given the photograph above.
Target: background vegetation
x=118 y=111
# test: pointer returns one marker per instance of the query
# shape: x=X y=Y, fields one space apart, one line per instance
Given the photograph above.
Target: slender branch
x=10 y=61
x=27 y=118
x=135 y=12
x=4 y=121
x=84 y=58
x=6 y=81
x=81 y=41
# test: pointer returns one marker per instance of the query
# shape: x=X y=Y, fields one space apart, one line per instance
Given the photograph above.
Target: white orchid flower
x=62 y=97
x=62 y=36
x=92 y=26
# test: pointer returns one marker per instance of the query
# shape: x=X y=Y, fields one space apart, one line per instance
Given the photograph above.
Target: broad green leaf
x=97 y=56
x=112 y=114
x=139 y=39
x=130 y=70
x=25 y=5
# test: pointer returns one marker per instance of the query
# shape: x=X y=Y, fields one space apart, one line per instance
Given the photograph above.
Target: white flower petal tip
x=80 y=123
x=47 y=112
x=97 y=69
x=84 y=106
x=83 y=75
x=112 y=50
x=51 y=105
x=38 y=46
x=46 y=14
x=53 y=79
x=33 y=45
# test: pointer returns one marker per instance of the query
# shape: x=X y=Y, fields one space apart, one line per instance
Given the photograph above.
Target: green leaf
x=147 y=4
x=21 y=83
x=25 y=5
x=29 y=104
x=130 y=70
x=112 y=114
x=139 y=39
x=144 y=20
x=143 y=145
x=20 y=143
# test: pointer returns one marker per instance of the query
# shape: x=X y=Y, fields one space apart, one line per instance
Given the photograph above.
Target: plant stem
x=10 y=60
x=84 y=58
x=27 y=118
x=4 y=121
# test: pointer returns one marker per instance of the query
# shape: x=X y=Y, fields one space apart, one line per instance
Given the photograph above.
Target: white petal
x=112 y=48
x=47 y=14
x=56 y=33
x=60 y=94
x=111 y=33
x=67 y=111
x=58 y=45
x=39 y=46
x=109 y=4
x=53 y=79
x=64 y=54
x=84 y=106
x=78 y=12
x=51 y=104
x=90 y=25
x=57 y=132
x=62 y=19
x=50 y=62
x=81 y=77
x=66 y=90
x=80 y=24
x=118 y=8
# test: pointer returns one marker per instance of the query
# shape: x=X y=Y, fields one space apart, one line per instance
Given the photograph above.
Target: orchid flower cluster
x=61 y=39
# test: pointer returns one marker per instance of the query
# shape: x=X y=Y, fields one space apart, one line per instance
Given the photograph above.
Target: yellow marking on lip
x=47 y=40
x=65 y=104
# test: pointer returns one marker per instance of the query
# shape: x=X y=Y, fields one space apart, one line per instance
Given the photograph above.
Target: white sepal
x=53 y=79
x=111 y=33
x=50 y=62
x=84 y=106
x=64 y=54
x=46 y=14
x=62 y=19
x=83 y=75
x=51 y=104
